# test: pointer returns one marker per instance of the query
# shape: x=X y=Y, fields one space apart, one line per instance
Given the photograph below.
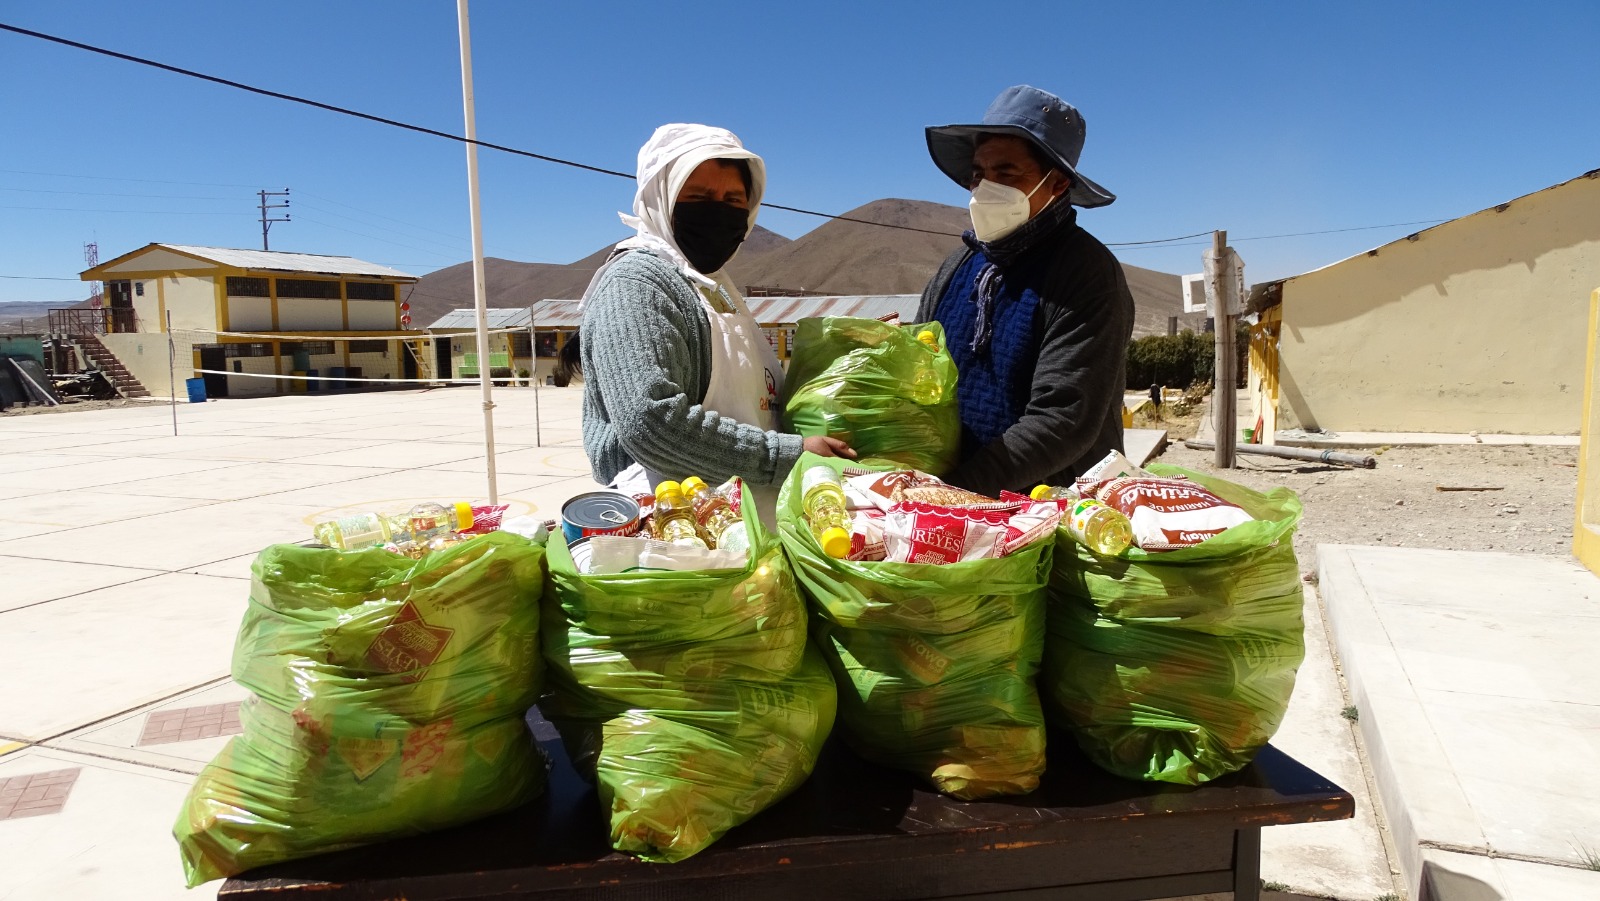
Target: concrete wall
x=1476 y=325
x=375 y=315
x=147 y=307
x=1586 y=530
x=310 y=314
x=145 y=356
x=192 y=301
x=249 y=314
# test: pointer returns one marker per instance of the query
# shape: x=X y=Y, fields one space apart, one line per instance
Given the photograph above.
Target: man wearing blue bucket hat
x=1036 y=311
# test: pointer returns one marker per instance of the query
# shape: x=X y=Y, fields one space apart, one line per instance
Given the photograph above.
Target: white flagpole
x=480 y=298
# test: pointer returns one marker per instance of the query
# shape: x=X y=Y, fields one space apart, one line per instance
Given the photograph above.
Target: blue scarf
x=1003 y=253
x=989 y=327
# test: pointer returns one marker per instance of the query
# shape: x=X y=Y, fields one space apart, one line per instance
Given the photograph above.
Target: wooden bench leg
x=1247 y=864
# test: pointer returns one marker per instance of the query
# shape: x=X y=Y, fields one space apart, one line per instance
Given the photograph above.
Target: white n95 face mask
x=998 y=210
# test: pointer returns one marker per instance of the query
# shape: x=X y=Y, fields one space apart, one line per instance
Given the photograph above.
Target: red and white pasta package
x=926 y=533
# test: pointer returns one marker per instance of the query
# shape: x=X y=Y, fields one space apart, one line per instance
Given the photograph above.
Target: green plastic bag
x=387 y=700
x=693 y=698
x=876 y=387
x=1177 y=666
x=935 y=663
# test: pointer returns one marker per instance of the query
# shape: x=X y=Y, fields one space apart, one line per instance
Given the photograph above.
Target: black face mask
x=709 y=232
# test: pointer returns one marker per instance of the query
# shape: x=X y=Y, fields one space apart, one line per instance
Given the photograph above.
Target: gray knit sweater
x=646 y=368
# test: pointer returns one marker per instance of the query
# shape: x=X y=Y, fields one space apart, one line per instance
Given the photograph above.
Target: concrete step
x=1477 y=701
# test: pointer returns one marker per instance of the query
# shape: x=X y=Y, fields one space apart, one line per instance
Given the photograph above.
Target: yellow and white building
x=228 y=307
x=1475 y=325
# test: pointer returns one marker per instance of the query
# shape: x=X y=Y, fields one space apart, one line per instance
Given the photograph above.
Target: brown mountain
x=508 y=283
x=837 y=257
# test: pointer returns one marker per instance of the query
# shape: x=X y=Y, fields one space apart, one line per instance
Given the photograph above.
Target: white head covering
x=665 y=163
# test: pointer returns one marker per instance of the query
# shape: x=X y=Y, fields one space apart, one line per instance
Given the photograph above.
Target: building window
x=247 y=287
x=369 y=291
x=258 y=349
x=547 y=344
x=306 y=287
x=308 y=347
x=138 y=289
x=369 y=347
x=520 y=342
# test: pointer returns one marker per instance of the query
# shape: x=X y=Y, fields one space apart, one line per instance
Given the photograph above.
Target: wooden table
x=856 y=831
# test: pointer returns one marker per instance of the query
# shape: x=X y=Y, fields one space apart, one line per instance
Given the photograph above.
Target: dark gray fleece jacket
x=1072 y=405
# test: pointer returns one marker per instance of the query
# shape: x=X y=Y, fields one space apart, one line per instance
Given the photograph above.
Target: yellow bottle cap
x=463 y=516
x=1040 y=492
x=928 y=338
x=693 y=484
x=668 y=486
x=836 y=542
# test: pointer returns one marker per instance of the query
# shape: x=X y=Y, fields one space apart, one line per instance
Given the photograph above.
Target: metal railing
x=76 y=321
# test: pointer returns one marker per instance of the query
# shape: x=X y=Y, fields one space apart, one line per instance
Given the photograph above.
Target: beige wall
x=155 y=260
x=192 y=301
x=310 y=314
x=249 y=314
x=1476 y=325
x=145 y=356
x=148 y=307
x=375 y=315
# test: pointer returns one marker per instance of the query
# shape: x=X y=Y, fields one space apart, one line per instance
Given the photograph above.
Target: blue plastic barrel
x=197 y=390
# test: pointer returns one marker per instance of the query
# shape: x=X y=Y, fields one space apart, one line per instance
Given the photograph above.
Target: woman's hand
x=823 y=446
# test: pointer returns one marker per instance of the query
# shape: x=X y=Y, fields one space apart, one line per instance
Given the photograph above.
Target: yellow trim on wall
x=161 y=305
x=1586 y=524
x=219 y=288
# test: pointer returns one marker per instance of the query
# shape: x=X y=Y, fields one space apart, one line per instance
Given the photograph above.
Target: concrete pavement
x=124 y=565
x=1480 y=708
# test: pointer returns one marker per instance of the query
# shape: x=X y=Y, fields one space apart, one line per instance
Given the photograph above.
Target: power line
x=379 y=215
x=40 y=278
x=406 y=125
x=1330 y=231
x=148 y=181
x=109 y=194
x=1156 y=241
x=69 y=209
x=1171 y=242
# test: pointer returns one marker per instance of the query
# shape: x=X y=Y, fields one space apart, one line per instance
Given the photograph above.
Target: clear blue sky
x=1260 y=118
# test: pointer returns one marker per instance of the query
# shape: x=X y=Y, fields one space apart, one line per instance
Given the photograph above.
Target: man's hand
x=823 y=446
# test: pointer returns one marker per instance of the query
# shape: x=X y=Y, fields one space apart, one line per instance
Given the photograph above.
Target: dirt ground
x=1399 y=503
x=70 y=405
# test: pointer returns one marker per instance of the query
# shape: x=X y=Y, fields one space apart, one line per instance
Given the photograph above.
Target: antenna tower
x=91 y=255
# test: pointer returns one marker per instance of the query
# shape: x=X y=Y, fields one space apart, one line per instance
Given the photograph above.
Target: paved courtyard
x=124 y=565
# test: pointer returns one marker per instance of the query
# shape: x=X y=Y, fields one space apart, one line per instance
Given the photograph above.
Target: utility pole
x=1223 y=282
x=266 y=223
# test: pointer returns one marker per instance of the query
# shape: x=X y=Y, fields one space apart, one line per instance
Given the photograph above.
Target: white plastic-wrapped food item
x=1168 y=514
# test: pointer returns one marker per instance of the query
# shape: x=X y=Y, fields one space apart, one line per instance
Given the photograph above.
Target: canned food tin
x=599 y=513
x=582 y=554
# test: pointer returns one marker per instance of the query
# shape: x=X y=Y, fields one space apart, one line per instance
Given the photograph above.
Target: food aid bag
x=387 y=700
x=692 y=698
x=1177 y=665
x=935 y=662
x=877 y=388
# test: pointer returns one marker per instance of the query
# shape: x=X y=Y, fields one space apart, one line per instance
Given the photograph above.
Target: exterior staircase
x=99 y=357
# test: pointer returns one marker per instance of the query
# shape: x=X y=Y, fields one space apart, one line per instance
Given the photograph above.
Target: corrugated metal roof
x=280 y=261
x=499 y=317
x=767 y=310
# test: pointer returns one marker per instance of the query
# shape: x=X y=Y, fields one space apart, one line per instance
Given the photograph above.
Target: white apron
x=746 y=378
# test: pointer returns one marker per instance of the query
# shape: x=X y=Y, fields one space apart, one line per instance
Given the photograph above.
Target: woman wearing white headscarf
x=678 y=378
